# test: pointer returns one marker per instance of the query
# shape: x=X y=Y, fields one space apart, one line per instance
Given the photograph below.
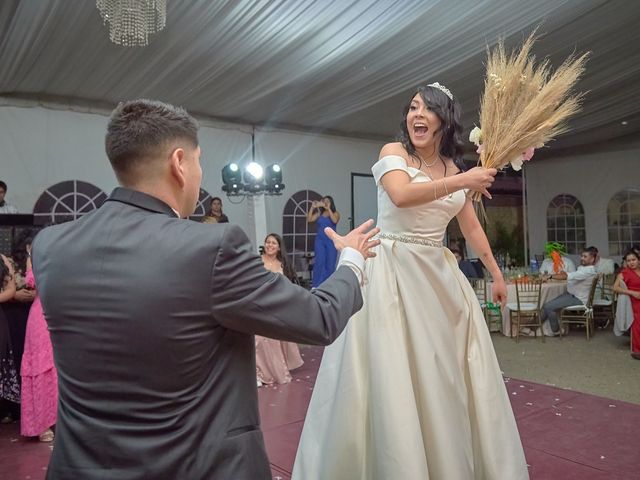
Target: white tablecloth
x=549 y=291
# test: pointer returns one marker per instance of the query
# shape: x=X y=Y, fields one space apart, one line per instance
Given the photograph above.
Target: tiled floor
x=567 y=435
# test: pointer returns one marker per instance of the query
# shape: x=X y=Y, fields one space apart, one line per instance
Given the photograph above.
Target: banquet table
x=549 y=291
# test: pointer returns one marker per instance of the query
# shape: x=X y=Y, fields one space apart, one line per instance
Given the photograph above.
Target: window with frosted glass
x=565 y=223
x=623 y=221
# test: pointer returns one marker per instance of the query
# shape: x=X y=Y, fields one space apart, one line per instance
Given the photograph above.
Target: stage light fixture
x=253 y=177
x=273 y=179
x=253 y=172
x=231 y=179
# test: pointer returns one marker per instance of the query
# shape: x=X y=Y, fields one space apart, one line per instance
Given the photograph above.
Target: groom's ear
x=176 y=166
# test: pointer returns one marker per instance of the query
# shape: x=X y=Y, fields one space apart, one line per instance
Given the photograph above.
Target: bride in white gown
x=412 y=389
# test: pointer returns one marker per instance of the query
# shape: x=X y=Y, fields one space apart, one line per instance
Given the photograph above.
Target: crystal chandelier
x=131 y=21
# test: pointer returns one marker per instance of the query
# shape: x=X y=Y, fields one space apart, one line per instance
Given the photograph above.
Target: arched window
x=66 y=201
x=298 y=235
x=623 y=220
x=203 y=206
x=565 y=223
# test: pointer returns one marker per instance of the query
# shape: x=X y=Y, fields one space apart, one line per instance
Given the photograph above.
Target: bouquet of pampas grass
x=523 y=105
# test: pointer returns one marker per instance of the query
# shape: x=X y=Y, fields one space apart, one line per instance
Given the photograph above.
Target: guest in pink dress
x=274 y=359
x=39 y=376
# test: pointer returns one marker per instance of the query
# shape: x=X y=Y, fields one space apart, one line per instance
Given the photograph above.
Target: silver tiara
x=443 y=89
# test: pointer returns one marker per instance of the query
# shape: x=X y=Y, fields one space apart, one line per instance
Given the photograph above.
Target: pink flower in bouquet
x=528 y=154
x=525 y=156
x=475 y=137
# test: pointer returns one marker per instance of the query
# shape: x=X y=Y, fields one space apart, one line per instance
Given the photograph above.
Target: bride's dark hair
x=449 y=112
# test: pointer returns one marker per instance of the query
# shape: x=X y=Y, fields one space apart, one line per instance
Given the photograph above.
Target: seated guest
x=578 y=287
x=274 y=359
x=636 y=250
x=215 y=213
x=567 y=265
x=466 y=266
x=628 y=283
x=4 y=206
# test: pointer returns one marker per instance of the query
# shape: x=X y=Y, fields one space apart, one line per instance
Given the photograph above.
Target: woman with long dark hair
x=9 y=384
x=274 y=358
x=324 y=214
x=17 y=310
x=215 y=214
x=628 y=283
x=412 y=388
x=275 y=257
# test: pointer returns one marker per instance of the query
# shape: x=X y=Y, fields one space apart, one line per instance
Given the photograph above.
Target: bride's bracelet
x=435 y=189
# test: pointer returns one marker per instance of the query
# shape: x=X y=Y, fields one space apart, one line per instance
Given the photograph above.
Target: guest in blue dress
x=324 y=213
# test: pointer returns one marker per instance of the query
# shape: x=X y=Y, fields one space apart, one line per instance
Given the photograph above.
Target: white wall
x=43 y=146
x=592 y=177
x=40 y=147
x=320 y=163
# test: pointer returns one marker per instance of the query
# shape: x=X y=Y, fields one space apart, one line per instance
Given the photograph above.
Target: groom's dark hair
x=140 y=131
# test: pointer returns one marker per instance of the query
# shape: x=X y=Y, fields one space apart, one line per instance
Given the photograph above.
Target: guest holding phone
x=324 y=214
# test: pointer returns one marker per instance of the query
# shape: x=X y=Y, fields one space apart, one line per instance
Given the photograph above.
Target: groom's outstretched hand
x=358 y=238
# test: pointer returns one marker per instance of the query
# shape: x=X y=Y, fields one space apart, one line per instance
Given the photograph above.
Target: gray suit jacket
x=152 y=321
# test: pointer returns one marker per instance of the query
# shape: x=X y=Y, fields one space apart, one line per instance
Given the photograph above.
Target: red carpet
x=567 y=435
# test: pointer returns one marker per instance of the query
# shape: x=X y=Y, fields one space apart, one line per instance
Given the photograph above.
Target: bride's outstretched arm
x=474 y=234
x=404 y=193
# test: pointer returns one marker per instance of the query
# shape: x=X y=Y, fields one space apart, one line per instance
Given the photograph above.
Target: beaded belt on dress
x=410 y=239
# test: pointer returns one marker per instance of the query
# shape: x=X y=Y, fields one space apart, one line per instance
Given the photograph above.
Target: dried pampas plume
x=524 y=105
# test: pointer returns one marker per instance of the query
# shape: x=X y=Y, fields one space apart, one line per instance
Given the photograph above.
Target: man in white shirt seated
x=578 y=287
x=4 y=206
x=547 y=265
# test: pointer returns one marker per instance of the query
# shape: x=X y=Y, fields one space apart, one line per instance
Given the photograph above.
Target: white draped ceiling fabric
x=344 y=66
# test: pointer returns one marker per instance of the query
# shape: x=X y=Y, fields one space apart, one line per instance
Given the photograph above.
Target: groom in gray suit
x=152 y=317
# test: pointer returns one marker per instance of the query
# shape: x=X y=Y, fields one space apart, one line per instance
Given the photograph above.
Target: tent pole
x=524 y=218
